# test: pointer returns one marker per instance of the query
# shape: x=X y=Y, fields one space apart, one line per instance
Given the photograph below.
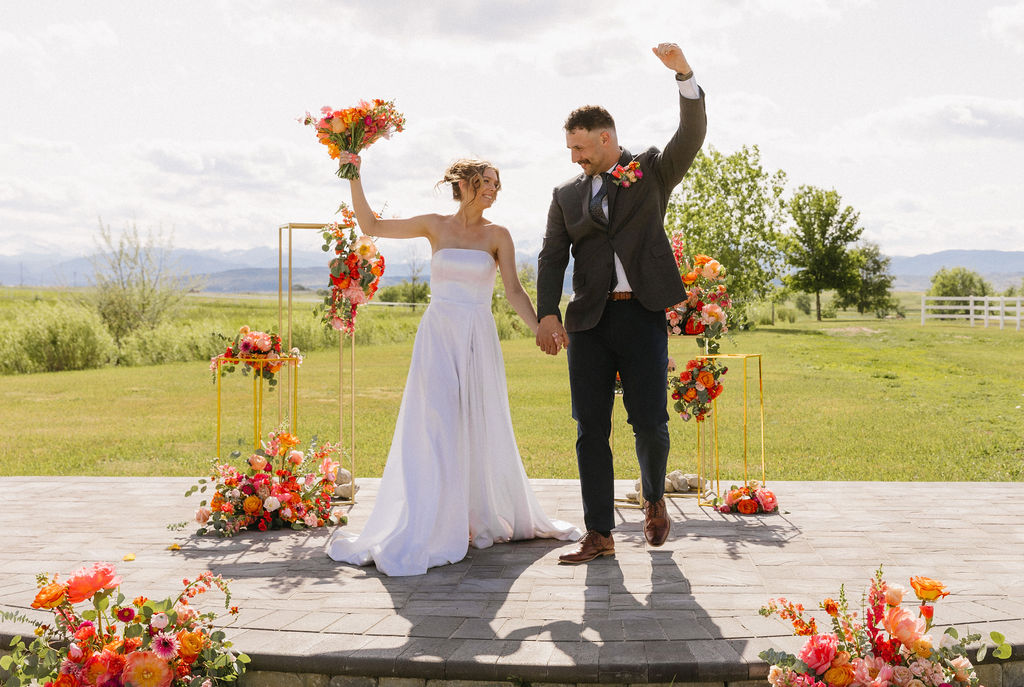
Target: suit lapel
x=583 y=187
x=613 y=191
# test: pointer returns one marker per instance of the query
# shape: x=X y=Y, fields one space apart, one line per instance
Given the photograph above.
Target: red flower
x=693 y=327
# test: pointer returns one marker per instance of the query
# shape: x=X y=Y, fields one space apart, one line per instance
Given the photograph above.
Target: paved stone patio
x=684 y=613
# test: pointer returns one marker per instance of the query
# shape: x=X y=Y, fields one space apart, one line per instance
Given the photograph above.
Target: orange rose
x=288 y=440
x=191 y=644
x=706 y=378
x=690 y=394
x=64 y=680
x=252 y=505
x=928 y=589
x=50 y=596
x=747 y=506
x=690 y=277
x=699 y=260
x=839 y=676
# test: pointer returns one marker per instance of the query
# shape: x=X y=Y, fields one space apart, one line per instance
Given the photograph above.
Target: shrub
x=54 y=337
x=802 y=301
x=171 y=342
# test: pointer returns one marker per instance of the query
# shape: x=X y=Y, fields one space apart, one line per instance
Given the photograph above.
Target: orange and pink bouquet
x=354 y=129
x=696 y=387
x=704 y=313
x=888 y=645
x=114 y=641
x=255 y=350
x=356 y=269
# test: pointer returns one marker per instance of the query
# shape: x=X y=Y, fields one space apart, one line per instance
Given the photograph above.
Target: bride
x=453 y=477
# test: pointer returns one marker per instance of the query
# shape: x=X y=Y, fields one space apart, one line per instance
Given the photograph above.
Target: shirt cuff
x=689 y=89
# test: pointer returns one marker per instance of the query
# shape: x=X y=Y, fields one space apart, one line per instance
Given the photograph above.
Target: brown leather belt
x=620 y=295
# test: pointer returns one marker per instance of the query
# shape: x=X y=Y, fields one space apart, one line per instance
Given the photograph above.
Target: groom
x=612 y=220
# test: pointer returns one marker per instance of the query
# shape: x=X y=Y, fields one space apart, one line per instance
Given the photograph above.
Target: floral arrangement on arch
x=113 y=641
x=354 y=129
x=704 y=313
x=889 y=645
x=271 y=492
x=256 y=351
x=696 y=387
x=356 y=269
x=749 y=499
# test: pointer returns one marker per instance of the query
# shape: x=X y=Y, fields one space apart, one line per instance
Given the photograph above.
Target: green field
x=846 y=399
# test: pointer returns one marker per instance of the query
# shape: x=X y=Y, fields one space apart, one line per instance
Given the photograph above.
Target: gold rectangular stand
x=281 y=310
x=291 y=364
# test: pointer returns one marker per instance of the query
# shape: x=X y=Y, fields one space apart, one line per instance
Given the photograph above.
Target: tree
x=959 y=281
x=870 y=291
x=730 y=207
x=135 y=283
x=817 y=245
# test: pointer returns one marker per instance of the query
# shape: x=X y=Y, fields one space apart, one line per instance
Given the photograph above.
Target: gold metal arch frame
x=290 y=228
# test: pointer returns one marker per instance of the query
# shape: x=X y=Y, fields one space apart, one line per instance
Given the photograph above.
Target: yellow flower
x=252 y=505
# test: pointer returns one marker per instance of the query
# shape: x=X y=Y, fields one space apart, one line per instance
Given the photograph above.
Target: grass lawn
x=846 y=399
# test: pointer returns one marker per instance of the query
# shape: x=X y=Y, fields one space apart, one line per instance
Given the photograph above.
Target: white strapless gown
x=453 y=476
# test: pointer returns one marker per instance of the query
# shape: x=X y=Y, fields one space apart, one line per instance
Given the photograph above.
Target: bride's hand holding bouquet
x=354 y=129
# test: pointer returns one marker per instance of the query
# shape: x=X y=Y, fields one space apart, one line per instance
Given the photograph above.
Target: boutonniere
x=630 y=174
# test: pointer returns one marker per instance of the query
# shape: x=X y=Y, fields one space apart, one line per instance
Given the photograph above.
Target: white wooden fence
x=984 y=309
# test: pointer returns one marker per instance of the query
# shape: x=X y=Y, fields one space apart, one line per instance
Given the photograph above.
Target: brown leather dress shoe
x=592 y=545
x=656 y=522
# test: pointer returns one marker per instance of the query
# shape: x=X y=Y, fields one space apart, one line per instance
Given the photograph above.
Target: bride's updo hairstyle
x=471 y=171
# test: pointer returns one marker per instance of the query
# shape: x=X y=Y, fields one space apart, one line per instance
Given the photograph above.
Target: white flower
x=271 y=503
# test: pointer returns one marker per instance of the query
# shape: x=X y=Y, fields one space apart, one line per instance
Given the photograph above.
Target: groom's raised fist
x=671 y=55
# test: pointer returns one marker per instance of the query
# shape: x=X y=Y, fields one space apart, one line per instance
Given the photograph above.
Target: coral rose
x=252 y=505
x=50 y=596
x=902 y=624
x=711 y=269
x=749 y=507
x=89 y=580
x=768 y=503
x=962 y=668
x=819 y=650
x=146 y=669
x=690 y=394
x=928 y=589
x=894 y=594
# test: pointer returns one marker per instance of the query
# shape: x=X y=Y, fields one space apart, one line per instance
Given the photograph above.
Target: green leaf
x=133 y=630
x=1003 y=651
x=951 y=631
x=982 y=652
x=997 y=637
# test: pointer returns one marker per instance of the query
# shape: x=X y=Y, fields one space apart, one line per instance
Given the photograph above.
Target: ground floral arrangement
x=887 y=645
x=253 y=350
x=354 y=129
x=272 y=491
x=356 y=269
x=749 y=499
x=114 y=642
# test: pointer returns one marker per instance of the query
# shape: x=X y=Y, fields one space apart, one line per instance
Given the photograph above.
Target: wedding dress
x=453 y=476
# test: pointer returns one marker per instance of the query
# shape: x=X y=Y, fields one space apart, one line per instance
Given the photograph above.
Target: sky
x=181 y=117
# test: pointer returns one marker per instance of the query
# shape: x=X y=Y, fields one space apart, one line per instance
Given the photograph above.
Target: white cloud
x=1006 y=23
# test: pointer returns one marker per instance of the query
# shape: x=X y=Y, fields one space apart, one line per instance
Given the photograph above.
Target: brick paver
x=686 y=612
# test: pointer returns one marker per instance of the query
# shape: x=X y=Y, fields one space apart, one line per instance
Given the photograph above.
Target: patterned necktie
x=596 y=210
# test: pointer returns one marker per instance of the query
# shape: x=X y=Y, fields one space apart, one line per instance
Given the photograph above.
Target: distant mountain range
x=255 y=269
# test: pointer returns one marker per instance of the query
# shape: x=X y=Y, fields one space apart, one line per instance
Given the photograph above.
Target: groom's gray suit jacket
x=635 y=232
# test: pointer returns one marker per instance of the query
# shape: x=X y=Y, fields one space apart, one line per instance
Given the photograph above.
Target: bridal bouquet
x=696 y=387
x=271 y=492
x=259 y=351
x=354 y=129
x=704 y=313
x=888 y=645
x=356 y=269
x=113 y=641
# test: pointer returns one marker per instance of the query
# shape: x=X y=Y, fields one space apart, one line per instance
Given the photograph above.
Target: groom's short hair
x=589 y=118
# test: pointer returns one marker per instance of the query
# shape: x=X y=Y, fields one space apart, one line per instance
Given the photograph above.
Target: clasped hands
x=551 y=335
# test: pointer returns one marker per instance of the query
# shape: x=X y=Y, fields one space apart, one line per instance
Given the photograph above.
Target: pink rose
x=159 y=621
x=962 y=666
x=89 y=580
x=766 y=499
x=202 y=514
x=724 y=509
x=712 y=313
x=902 y=624
x=257 y=462
x=295 y=457
x=818 y=652
x=310 y=519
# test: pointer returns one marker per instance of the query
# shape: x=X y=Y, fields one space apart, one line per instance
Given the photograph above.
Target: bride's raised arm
x=514 y=292
x=371 y=225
